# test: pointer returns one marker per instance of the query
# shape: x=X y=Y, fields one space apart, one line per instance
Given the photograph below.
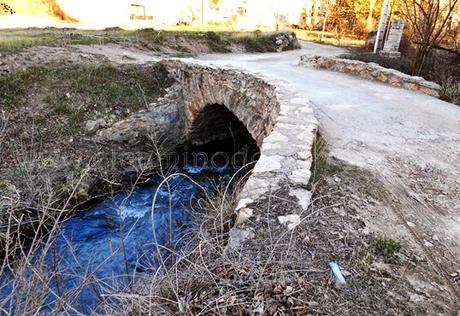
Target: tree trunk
x=420 y=59
x=308 y=20
x=324 y=25
x=315 y=12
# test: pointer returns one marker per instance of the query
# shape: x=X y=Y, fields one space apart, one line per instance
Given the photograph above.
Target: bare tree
x=428 y=22
x=342 y=18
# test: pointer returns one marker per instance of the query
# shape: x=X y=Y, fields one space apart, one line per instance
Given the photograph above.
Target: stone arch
x=279 y=119
x=250 y=99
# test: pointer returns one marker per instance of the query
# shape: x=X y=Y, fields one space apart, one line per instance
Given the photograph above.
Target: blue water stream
x=114 y=240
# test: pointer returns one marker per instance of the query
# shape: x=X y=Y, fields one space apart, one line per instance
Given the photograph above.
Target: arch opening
x=217 y=123
x=216 y=130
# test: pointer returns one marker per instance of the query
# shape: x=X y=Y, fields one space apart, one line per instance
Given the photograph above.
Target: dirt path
x=409 y=140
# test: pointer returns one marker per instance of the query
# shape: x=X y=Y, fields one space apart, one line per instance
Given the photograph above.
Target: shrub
x=217 y=43
x=450 y=91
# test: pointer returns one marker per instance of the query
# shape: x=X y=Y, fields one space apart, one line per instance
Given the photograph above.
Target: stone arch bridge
x=280 y=120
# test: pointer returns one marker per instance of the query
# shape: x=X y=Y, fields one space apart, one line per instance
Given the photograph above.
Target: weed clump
x=388 y=249
x=323 y=165
x=217 y=43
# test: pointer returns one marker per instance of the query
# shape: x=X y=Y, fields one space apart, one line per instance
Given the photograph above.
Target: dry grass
x=30 y=282
x=328 y=38
x=276 y=271
x=450 y=91
x=13 y=41
x=50 y=166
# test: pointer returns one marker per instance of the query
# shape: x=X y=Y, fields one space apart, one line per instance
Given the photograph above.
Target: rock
x=243 y=215
x=303 y=196
x=416 y=298
x=292 y=220
x=243 y=203
x=82 y=191
x=286 y=40
x=288 y=290
x=381 y=267
x=92 y=127
x=428 y=244
x=300 y=176
x=268 y=163
x=237 y=237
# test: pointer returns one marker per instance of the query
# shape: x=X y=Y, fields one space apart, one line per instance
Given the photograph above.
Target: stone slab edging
x=372 y=71
x=285 y=158
x=286 y=154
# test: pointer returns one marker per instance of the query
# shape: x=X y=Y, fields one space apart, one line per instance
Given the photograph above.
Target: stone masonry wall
x=372 y=71
x=250 y=99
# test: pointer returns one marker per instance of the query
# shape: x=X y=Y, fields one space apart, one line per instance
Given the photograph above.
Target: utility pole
x=202 y=12
x=382 y=24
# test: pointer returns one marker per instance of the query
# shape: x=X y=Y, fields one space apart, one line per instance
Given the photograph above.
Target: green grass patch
x=328 y=38
x=4 y=184
x=387 y=249
x=14 y=40
x=323 y=165
x=217 y=43
x=67 y=96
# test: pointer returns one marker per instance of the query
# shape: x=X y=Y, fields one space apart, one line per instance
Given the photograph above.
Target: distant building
x=248 y=14
x=239 y=14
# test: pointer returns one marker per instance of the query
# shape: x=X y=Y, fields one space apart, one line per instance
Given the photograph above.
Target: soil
x=282 y=271
x=336 y=228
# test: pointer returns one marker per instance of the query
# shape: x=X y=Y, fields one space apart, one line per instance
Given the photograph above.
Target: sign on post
x=393 y=40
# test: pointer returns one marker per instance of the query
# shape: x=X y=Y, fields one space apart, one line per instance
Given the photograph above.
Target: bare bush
x=428 y=22
x=450 y=91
